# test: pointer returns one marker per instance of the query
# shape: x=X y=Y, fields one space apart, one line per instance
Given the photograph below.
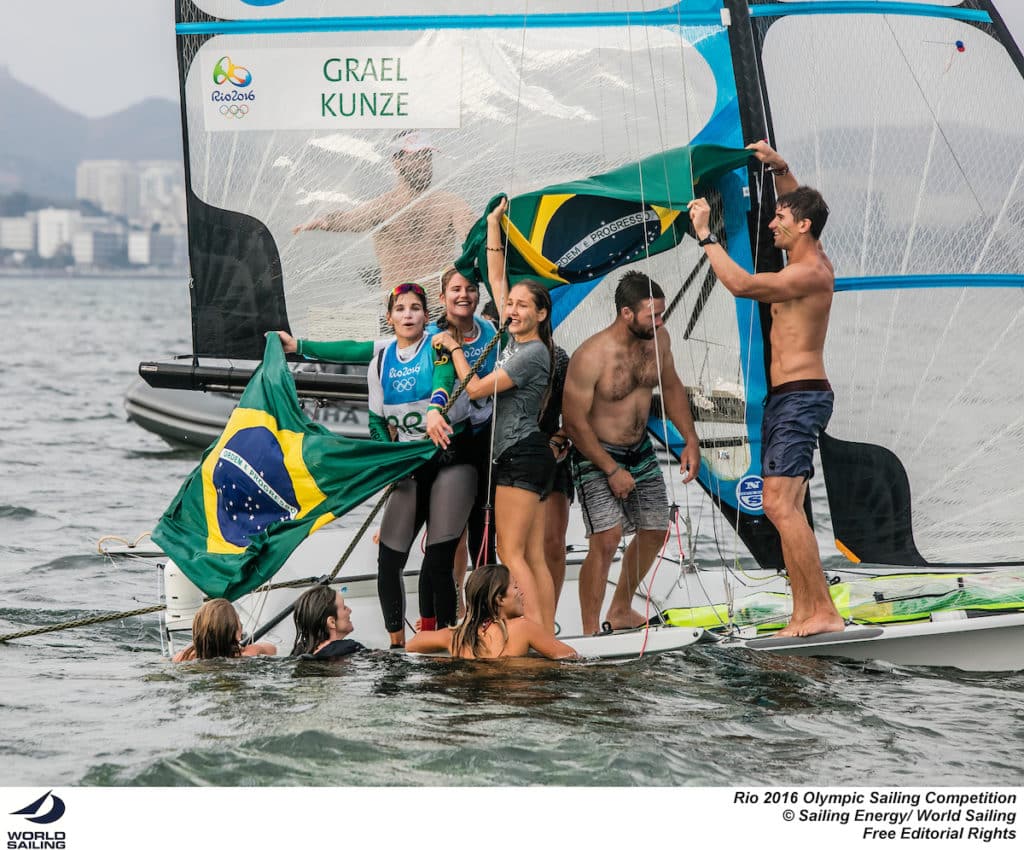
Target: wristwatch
x=710 y=239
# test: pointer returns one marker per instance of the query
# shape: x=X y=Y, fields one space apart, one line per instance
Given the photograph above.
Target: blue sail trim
x=854 y=7
x=929 y=281
x=662 y=17
x=724 y=128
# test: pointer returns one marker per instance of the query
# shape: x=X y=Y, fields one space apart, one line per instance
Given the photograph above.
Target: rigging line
x=649 y=589
x=270 y=624
x=647 y=263
x=935 y=118
x=647 y=250
x=697 y=577
x=502 y=322
x=688 y=132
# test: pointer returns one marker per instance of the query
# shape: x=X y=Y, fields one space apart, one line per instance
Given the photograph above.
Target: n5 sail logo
x=35 y=839
x=750 y=493
x=234 y=102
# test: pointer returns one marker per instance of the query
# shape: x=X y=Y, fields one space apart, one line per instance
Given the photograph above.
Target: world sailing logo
x=55 y=813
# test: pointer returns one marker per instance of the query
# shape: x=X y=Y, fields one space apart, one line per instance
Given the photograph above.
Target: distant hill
x=42 y=142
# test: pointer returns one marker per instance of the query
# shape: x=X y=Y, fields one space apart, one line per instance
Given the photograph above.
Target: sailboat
x=907 y=116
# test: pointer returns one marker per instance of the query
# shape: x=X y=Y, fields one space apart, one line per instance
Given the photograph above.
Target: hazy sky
x=99 y=56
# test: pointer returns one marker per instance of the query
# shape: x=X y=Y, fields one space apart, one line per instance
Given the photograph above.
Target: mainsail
x=913 y=130
x=328 y=152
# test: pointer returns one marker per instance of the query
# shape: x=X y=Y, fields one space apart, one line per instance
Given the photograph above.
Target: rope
x=138 y=612
x=130 y=544
x=326 y=580
x=85 y=621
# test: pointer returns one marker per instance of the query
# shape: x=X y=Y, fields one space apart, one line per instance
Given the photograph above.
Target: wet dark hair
x=312 y=610
x=805 y=202
x=485 y=585
x=633 y=288
x=542 y=301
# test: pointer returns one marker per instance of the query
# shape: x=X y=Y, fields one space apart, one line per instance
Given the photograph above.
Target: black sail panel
x=237 y=285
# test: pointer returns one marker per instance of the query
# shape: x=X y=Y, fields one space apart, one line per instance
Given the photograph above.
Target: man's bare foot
x=625 y=619
x=815 y=625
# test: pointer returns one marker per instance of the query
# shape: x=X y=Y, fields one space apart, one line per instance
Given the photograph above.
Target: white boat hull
x=984 y=643
x=989 y=643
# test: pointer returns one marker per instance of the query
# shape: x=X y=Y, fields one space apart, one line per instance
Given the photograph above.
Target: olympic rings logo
x=404 y=384
x=226 y=71
x=235 y=110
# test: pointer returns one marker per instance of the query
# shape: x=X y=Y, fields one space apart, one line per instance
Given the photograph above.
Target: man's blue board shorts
x=795 y=413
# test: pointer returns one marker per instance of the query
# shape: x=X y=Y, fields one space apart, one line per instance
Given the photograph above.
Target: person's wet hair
x=805 y=202
x=485 y=586
x=633 y=288
x=215 y=630
x=311 y=613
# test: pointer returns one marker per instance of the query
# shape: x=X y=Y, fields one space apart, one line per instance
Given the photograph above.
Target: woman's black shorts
x=528 y=465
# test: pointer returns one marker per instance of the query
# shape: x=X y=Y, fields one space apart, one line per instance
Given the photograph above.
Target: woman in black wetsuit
x=323 y=623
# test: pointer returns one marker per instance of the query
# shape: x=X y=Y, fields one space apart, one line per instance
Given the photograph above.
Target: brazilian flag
x=577 y=232
x=272 y=479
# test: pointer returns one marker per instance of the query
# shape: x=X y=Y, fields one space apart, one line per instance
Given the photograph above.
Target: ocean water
x=102 y=706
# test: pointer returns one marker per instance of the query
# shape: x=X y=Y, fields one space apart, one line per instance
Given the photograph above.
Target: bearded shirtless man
x=800 y=398
x=415 y=232
x=605 y=406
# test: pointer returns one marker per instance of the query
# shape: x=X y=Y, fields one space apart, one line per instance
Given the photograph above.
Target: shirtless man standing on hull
x=605 y=406
x=800 y=398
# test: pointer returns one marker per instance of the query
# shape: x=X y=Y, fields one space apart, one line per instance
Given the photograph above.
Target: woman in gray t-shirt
x=524 y=462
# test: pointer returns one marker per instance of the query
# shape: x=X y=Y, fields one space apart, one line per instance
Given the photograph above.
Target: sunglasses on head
x=402 y=288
